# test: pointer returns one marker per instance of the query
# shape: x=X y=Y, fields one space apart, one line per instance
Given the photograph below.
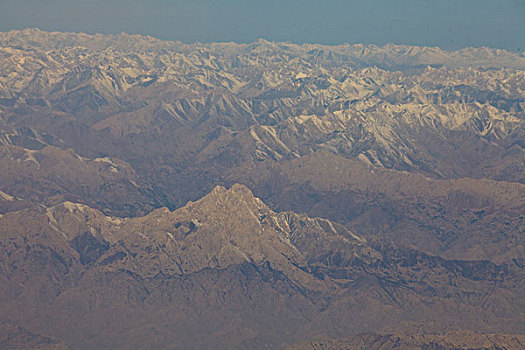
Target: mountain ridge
x=125 y=41
x=83 y=256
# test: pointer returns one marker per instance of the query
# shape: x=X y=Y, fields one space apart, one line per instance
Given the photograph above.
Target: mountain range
x=155 y=194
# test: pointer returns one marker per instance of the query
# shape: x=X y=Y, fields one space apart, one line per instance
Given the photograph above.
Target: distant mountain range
x=155 y=194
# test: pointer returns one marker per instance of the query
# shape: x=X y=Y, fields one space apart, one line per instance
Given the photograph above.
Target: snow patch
x=31 y=158
x=72 y=206
x=114 y=167
x=364 y=159
x=300 y=75
x=6 y=197
x=115 y=221
x=53 y=223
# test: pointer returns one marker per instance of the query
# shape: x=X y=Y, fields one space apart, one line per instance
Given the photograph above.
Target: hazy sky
x=447 y=23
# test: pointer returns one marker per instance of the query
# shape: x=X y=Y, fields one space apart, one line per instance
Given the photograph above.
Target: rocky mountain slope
x=278 y=101
x=15 y=337
x=394 y=179
x=457 y=218
x=228 y=271
x=445 y=341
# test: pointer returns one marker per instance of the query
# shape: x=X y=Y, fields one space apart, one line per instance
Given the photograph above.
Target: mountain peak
x=237 y=189
x=237 y=200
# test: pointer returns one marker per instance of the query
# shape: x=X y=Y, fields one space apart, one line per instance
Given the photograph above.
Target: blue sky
x=450 y=24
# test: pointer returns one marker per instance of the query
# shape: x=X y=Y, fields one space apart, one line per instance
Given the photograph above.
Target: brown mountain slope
x=459 y=340
x=12 y=337
x=38 y=169
x=226 y=271
x=463 y=218
x=52 y=175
